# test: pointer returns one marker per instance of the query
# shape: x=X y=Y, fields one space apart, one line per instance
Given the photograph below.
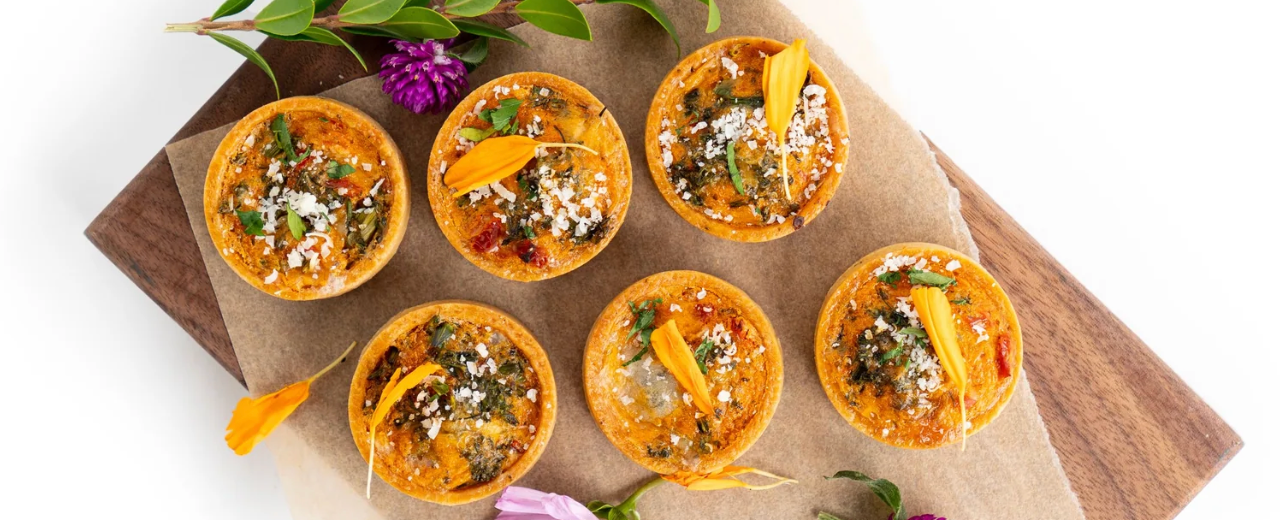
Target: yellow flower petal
x=397 y=388
x=935 y=314
x=255 y=419
x=724 y=479
x=675 y=354
x=494 y=159
x=783 y=78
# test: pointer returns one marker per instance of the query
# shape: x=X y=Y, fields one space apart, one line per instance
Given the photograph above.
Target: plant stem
x=630 y=502
x=328 y=22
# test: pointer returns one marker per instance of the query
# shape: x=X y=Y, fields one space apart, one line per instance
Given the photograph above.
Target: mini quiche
x=879 y=364
x=646 y=408
x=306 y=198
x=473 y=426
x=715 y=159
x=555 y=209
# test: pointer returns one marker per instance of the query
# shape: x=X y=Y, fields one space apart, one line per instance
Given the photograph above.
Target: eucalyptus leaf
x=649 y=6
x=887 y=491
x=323 y=4
x=370 y=30
x=713 y=15
x=474 y=54
x=479 y=28
x=285 y=17
x=296 y=227
x=230 y=7
x=324 y=36
x=249 y=54
x=420 y=23
x=369 y=12
x=469 y=7
x=555 y=16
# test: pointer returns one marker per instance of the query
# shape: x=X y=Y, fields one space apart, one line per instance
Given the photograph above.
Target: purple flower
x=518 y=503
x=422 y=77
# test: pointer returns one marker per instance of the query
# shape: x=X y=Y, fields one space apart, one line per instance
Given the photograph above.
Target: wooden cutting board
x=1134 y=440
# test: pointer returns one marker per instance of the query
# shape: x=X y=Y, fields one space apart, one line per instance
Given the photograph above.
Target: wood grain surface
x=1135 y=441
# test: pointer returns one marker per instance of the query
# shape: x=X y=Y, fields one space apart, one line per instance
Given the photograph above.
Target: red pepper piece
x=531 y=253
x=1002 y=356
x=488 y=237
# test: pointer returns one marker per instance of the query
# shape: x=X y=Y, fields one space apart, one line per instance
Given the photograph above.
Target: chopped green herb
x=528 y=232
x=891 y=354
x=929 y=278
x=643 y=325
x=700 y=355
x=443 y=332
x=295 y=223
x=252 y=221
x=476 y=135
x=960 y=301
x=919 y=333
x=734 y=174
x=337 y=170
x=725 y=90
x=284 y=141
x=324 y=119
x=891 y=277
x=502 y=116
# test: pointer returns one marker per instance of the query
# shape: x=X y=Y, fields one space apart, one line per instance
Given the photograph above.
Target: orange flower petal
x=783 y=78
x=494 y=159
x=397 y=388
x=723 y=479
x=255 y=419
x=675 y=354
x=935 y=314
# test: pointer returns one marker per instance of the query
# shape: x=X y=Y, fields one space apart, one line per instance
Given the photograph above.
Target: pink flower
x=518 y=503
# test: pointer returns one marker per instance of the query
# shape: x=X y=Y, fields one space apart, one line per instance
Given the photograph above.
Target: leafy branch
x=411 y=20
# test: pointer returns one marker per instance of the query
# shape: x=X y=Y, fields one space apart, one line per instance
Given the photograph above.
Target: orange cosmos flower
x=254 y=419
x=935 y=315
x=494 y=159
x=783 y=77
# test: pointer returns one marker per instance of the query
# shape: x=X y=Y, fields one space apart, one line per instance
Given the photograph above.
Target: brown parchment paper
x=892 y=191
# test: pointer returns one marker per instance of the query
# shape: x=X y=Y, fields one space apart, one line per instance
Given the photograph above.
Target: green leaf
x=823 y=515
x=700 y=355
x=285 y=17
x=420 y=23
x=469 y=8
x=476 y=135
x=887 y=491
x=474 y=54
x=960 y=301
x=252 y=221
x=295 y=223
x=929 y=278
x=443 y=332
x=713 y=15
x=369 y=12
x=555 y=16
x=502 y=115
x=649 y=6
x=249 y=54
x=371 y=30
x=479 y=28
x=891 y=354
x=917 y=332
x=230 y=7
x=323 y=4
x=284 y=141
x=734 y=174
x=324 y=36
x=890 y=277
x=337 y=170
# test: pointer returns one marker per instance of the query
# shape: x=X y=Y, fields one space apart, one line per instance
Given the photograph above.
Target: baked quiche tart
x=464 y=399
x=529 y=177
x=909 y=333
x=682 y=372
x=713 y=151
x=306 y=198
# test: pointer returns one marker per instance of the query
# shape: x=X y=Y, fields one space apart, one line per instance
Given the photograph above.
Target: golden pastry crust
x=885 y=379
x=346 y=241
x=699 y=108
x=497 y=385
x=641 y=408
x=558 y=212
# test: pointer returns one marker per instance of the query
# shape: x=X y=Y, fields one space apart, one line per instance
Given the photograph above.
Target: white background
x=1135 y=140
